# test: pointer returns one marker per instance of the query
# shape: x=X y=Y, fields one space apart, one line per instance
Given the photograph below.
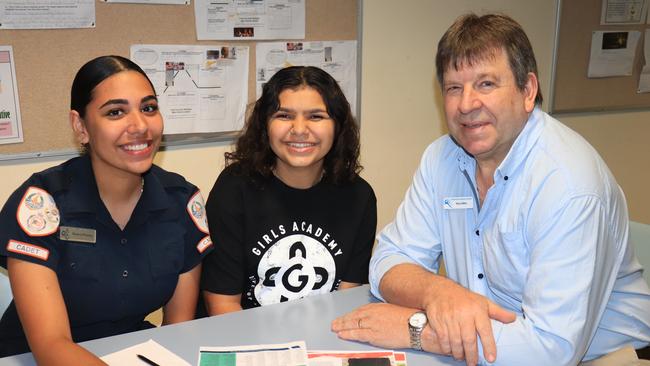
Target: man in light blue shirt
x=531 y=223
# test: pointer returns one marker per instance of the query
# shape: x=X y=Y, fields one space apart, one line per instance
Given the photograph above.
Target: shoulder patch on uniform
x=37 y=213
x=204 y=244
x=28 y=249
x=196 y=209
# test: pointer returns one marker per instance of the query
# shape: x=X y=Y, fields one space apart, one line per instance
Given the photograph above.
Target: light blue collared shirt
x=549 y=243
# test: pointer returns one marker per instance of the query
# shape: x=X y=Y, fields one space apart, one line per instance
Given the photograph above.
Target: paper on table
x=149 y=349
x=281 y=354
x=340 y=358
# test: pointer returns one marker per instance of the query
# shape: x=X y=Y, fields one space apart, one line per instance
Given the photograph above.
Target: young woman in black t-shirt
x=289 y=215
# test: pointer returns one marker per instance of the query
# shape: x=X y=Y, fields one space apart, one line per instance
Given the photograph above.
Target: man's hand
x=457 y=315
x=381 y=324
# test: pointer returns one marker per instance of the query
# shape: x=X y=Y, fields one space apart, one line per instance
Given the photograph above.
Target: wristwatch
x=417 y=322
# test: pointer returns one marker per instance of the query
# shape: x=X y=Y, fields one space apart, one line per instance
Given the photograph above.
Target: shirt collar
x=518 y=152
x=83 y=195
x=522 y=146
x=154 y=195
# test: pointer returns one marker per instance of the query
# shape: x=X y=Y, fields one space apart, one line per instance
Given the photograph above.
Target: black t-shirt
x=274 y=243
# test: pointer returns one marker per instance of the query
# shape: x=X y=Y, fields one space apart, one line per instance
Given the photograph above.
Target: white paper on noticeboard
x=612 y=53
x=623 y=12
x=47 y=14
x=200 y=89
x=338 y=58
x=250 y=19
x=11 y=129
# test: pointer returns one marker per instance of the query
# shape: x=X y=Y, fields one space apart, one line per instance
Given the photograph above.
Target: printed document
x=249 y=19
x=150 y=349
x=612 y=53
x=285 y=354
x=338 y=58
x=11 y=128
x=47 y=14
x=623 y=12
x=200 y=88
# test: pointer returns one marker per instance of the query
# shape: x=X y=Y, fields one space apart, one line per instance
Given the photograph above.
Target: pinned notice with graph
x=200 y=89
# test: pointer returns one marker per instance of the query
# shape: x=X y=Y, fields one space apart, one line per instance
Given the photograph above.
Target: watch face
x=418 y=320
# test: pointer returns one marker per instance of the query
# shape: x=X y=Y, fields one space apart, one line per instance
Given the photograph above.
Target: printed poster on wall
x=623 y=12
x=47 y=14
x=338 y=58
x=200 y=89
x=249 y=19
x=11 y=130
x=612 y=53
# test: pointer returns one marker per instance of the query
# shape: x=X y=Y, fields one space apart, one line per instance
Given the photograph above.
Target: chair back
x=5 y=291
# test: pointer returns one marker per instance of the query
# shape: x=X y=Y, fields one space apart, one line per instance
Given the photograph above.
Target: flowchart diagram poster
x=200 y=88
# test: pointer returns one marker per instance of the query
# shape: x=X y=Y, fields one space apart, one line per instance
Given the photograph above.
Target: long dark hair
x=94 y=72
x=253 y=153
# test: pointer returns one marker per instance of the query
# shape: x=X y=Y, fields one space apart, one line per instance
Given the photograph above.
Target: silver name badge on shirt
x=77 y=234
x=457 y=203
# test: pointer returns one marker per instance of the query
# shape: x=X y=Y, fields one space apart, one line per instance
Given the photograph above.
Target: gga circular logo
x=294 y=267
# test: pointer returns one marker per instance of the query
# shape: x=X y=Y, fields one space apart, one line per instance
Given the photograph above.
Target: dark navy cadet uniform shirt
x=110 y=278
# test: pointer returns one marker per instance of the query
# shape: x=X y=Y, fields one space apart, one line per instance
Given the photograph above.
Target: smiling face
x=300 y=133
x=122 y=125
x=485 y=109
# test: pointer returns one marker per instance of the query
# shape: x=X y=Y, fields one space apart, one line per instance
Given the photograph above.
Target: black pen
x=147 y=360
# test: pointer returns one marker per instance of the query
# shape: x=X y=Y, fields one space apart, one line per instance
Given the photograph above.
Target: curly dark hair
x=253 y=156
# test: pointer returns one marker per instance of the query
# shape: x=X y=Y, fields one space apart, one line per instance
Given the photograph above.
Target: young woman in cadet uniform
x=290 y=215
x=95 y=244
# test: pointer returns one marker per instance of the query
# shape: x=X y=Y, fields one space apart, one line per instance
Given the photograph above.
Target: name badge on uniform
x=457 y=203
x=78 y=234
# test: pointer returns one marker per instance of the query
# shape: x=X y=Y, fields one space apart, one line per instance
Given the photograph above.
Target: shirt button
x=123 y=241
x=125 y=273
x=477 y=232
x=480 y=276
x=505 y=178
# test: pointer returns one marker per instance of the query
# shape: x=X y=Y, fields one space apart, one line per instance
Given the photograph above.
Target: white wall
x=401 y=105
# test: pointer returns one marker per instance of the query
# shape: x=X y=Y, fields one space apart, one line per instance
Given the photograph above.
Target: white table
x=306 y=319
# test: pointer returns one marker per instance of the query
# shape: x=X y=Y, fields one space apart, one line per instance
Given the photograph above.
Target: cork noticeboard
x=572 y=90
x=47 y=60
